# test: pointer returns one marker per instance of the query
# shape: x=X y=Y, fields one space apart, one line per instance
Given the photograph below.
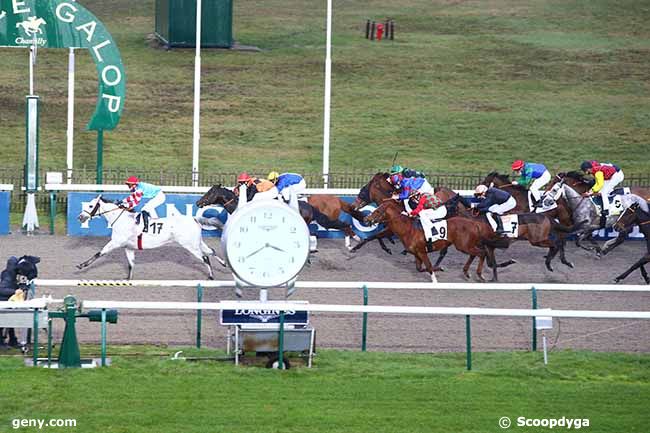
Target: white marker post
x=197 y=99
x=328 y=92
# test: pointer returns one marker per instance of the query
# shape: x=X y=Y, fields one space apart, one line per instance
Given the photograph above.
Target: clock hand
x=256 y=251
x=276 y=248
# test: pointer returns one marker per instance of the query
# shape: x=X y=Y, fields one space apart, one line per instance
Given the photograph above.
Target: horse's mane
x=576 y=175
x=502 y=177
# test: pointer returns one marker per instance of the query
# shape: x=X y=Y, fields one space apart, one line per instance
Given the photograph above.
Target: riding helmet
x=133 y=180
x=586 y=165
x=480 y=189
x=396 y=169
x=243 y=177
x=517 y=165
x=273 y=176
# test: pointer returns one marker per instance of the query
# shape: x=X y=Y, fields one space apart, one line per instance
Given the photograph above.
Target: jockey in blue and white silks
x=288 y=184
x=407 y=186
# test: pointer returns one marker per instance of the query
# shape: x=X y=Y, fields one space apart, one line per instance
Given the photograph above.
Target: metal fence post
x=364 y=328
x=534 y=295
x=52 y=210
x=199 y=315
x=35 y=337
x=281 y=342
x=103 y=337
x=468 y=335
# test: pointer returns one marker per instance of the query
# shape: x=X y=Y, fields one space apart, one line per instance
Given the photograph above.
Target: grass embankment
x=345 y=392
x=465 y=87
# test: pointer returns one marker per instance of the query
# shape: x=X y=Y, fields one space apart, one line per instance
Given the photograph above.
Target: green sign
x=66 y=24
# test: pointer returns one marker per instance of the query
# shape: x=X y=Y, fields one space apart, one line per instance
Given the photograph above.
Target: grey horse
x=584 y=210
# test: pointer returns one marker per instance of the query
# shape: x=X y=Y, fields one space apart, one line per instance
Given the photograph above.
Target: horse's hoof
x=569 y=264
x=439 y=269
x=466 y=276
x=389 y=252
x=210 y=277
x=549 y=267
x=617 y=280
x=404 y=252
x=79 y=267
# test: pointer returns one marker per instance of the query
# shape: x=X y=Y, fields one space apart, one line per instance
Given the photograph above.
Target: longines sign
x=66 y=24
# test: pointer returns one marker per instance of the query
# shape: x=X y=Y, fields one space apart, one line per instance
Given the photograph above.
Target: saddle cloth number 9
x=439 y=230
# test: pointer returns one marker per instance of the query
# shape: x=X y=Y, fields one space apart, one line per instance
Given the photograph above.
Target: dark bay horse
x=309 y=212
x=466 y=235
x=635 y=215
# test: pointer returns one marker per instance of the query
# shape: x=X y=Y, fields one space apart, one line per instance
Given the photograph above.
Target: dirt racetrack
x=60 y=254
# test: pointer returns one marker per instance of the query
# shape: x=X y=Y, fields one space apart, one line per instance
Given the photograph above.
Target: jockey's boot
x=429 y=245
x=603 y=218
x=145 y=221
x=499 y=222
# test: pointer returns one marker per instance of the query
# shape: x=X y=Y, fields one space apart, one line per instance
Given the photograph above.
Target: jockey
x=607 y=177
x=140 y=190
x=256 y=189
x=494 y=201
x=429 y=208
x=532 y=176
x=288 y=184
x=406 y=172
x=405 y=186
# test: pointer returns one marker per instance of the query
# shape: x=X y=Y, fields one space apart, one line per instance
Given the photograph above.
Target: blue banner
x=5 y=205
x=185 y=204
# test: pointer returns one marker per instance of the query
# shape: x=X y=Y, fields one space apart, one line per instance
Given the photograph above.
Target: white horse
x=182 y=229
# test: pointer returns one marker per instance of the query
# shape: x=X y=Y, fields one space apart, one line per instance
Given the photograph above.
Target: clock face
x=266 y=243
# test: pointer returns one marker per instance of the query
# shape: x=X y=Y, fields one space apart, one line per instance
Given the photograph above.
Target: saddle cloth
x=510 y=224
x=615 y=206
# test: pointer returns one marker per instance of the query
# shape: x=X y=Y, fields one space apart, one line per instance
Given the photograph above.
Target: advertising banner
x=5 y=205
x=185 y=204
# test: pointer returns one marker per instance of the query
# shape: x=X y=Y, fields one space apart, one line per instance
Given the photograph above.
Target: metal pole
x=49 y=343
x=468 y=334
x=35 y=334
x=281 y=342
x=534 y=295
x=100 y=156
x=364 y=329
x=544 y=346
x=199 y=314
x=328 y=95
x=196 y=134
x=70 y=131
x=103 y=337
x=52 y=210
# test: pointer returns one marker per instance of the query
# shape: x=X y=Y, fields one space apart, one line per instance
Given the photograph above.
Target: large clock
x=266 y=243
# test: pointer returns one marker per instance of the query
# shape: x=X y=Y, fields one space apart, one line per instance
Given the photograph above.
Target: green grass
x=465 y=87
x=344 y=392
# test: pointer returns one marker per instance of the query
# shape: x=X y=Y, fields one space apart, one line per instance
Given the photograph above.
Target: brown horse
x=468 y=236
x=326 y=217
x=538 y=229
x=560 y=211
x=379 y=189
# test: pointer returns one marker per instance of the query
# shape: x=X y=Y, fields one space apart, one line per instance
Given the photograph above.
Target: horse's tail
x=210 y=222
x=349 y=209
x=324 y=221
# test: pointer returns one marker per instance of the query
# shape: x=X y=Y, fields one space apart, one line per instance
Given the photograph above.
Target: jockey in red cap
x=532 y=176
x=140 y=190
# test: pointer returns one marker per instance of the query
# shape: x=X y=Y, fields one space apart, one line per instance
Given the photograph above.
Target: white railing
x=194 y=190
x=6 y=187
x=290 y=306
x=353 y=285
